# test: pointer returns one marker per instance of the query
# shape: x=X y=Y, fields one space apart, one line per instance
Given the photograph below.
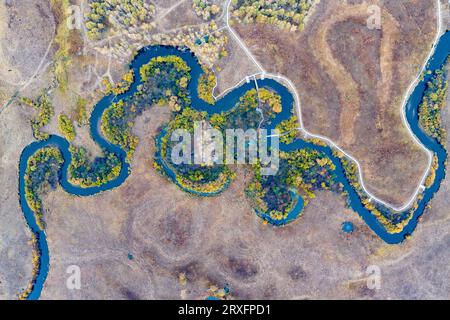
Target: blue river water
x=224 y=104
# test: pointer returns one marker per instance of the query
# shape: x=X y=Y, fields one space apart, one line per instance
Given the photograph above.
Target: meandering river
x=224 y=104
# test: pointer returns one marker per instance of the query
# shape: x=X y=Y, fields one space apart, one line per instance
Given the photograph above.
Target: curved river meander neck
x=226 y=103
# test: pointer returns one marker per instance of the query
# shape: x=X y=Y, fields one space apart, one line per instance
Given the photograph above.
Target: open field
x=181 y=15
x=351 y=81
x=15 y=262
x=234 y=67
x=26 y=31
